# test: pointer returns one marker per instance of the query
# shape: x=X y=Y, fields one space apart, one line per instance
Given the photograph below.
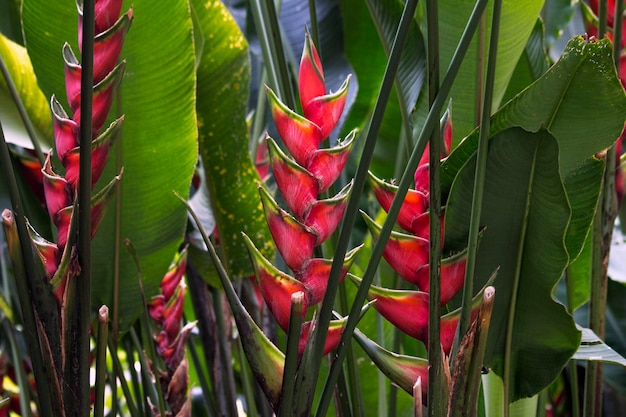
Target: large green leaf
x=223 y=90
x=157 y=149
x=20 y=69
x=517 y=22
x=581 y=102
x=525 y=216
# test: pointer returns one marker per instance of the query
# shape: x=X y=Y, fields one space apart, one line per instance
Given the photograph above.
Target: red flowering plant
x=60 y=259
x=301 y=180
x=170 y=336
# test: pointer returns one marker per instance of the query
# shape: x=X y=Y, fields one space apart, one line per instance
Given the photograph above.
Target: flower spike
x=324 y=216
x=298 y=187
x=293 y=239
x=406 y=254
x=311 y=76
x=415 y=203
x=325 y=111
x=276 y=286
x=315 y=272
x=300 y=135
x=326 y=164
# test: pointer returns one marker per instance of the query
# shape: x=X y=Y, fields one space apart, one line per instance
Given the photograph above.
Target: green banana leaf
x=516 y=24
x=157 y=148
x=580 y=102
x=232 y=180
x=18 y=64
x=525 y=216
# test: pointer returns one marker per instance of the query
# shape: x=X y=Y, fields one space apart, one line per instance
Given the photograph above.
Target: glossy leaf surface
x=157 y=147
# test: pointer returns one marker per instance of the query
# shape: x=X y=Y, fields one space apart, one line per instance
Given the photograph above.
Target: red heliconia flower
x=48 y=252
x=324 y=216
x=166 y=309
x=301 y=136
x=405 y=253
x=315 y=272
x=402 y=370
x=326 y=164
x=414 y=205
x=335 y=329
x=322 y=109
x=276 y=287
x=408 y=311
x=452 y=276
x=422 y=176
x=297 y=185
x=294 y=240
x=302 y=174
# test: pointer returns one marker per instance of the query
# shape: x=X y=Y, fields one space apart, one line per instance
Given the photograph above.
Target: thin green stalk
x=602 y=15
x=258 y=119
x=406 y=132
x=268 y=30
x=479 y=180
x=78 y=312
x=617 y=33
x=200 y=373
x=101 y=360
x=314 y=27
x=247 y=382
x=291 y=355
x=227 y=383
x=22 y=380
x=352 y=368
x=119 y=373
x=481 y=167
x=148 y=349
x=351 y=213
x=152 y=388
x=573 y=373
x=407 y=178
x=27 y=275
x=135 y=378
x=437 y=384
x=28 y=124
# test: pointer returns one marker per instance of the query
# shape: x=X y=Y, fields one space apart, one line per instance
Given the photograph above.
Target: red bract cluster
x=166 y=309
x=408 y=255
x=310 y=220
x=60 y=190
x=591 y=26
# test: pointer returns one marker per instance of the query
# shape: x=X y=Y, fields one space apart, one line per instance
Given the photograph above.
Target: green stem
x=247 y=382
x=147 y=350
x=28 y=124
x=291 y=355
x=314 y=27
x=268 y=30
x=78 y=312
x=481 y=168
x=27 y=275
x=152 y=388
x=200 y=373
x=101 y=364
x=437 y=398
x=18 y=358
x=119 y=373
x=351 y=213
x=227 y=383
x=352 y=367
x=407 y=178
